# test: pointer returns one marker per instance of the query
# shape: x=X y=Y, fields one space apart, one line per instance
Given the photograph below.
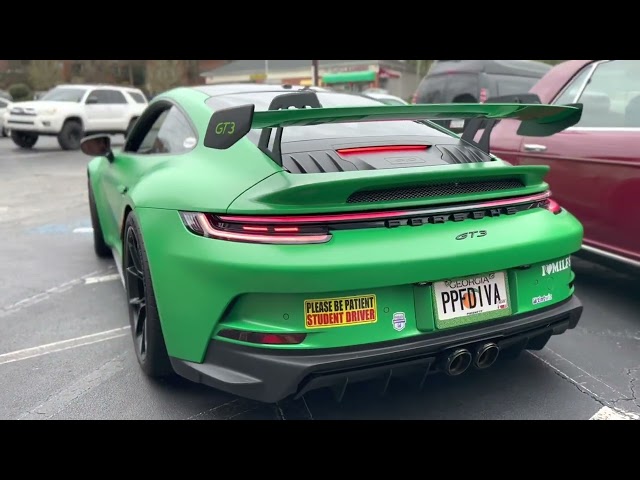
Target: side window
x=99 y=97
x=512 y=85
x=137 y=97
x=573 y=88
x=431 y=90
x=116 y=97
x=611 y=98
x=170 y=133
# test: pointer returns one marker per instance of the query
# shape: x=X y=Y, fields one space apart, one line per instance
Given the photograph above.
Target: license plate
x=471 y=299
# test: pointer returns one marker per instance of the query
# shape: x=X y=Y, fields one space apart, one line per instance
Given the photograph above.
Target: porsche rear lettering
x=453 y=217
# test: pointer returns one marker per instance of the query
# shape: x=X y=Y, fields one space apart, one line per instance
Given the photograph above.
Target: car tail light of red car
x=553 y=206
x=277 y=233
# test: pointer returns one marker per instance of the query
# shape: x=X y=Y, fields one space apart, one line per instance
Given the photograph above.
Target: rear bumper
x=269 y=376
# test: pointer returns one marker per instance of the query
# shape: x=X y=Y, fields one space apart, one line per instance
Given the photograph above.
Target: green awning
x=348 y=77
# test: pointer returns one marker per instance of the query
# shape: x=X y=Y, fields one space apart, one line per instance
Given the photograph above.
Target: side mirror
x=97 y=146
x=91 y=100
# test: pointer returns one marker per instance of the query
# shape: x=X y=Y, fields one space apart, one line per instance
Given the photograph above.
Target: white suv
x=70 y=112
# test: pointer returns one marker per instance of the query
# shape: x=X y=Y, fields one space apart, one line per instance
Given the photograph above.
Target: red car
x=595 y=165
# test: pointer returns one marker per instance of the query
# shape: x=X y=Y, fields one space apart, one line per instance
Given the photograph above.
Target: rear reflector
x=263 y=338
x=381 y=149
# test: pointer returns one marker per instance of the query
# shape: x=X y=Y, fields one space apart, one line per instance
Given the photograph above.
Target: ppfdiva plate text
x=473 y=298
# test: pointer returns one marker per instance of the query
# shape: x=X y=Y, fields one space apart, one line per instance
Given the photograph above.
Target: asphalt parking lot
x=66 y=353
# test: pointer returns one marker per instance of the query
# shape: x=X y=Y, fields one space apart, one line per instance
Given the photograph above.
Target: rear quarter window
x=512 y=85
x=137 y=97
x=432 y=89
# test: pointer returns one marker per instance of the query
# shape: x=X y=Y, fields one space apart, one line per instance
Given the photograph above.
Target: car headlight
x=47 y=111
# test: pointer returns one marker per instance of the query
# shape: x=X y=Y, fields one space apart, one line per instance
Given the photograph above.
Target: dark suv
x=471 y=81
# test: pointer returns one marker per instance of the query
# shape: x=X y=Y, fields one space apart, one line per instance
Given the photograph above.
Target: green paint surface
x=203 y=285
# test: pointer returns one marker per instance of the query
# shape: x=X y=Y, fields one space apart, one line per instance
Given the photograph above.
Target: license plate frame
x=487 y=283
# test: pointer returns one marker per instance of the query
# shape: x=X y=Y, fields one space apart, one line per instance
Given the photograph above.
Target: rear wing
x=228 y=126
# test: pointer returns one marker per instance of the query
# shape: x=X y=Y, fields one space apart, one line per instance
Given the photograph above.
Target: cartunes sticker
x=542 y=299
x=556 y=267
x=340 y=311
x=399 y=321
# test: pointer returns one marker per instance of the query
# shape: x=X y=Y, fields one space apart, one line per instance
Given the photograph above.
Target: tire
x=99 y=245
x=71 y=135
x=24 y=140
x=129 y=127
x=146 y=330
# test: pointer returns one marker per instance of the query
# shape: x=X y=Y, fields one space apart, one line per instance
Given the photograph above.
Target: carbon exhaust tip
x=457 y=362
x=485 y=355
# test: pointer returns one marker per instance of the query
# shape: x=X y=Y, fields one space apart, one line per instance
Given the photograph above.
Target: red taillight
x=380 y=149
x=318 y=219
x=553 y=206
x=263 y=338
x=237 y=230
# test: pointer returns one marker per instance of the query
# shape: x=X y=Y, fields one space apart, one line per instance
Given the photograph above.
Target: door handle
x=122 y=189
x=533 y=147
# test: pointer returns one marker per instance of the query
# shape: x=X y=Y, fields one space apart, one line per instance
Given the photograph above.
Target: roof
x=525 y=68
x=95 y=85
x=231 y=88
x=250 y=67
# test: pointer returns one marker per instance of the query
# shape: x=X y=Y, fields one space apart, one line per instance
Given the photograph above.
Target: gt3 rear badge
x=399 y=321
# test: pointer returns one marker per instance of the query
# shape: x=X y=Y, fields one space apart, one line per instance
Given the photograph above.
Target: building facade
x=395 y=76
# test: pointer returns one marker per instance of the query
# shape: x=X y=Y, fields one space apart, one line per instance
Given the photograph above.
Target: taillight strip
x=213 y=232
x=372 y=216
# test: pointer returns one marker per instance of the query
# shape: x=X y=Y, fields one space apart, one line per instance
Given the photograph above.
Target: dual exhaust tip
x=482 y=356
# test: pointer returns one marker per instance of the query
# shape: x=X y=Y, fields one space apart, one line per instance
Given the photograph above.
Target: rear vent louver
x=435 y=190
x=463 y=154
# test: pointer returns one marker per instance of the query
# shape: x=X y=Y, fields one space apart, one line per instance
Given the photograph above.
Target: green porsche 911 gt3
x=274 y=240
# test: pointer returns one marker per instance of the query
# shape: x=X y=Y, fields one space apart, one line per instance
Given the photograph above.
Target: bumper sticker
x=542 y=299
x=399 y=321
x=340 y=311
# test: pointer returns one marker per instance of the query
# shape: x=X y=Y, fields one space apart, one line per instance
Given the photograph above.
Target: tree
x=163 y=75
x=96 y=71
x=44 y=74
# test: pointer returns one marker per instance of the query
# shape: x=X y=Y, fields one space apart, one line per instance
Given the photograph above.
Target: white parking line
x=39 y=297
x=604 y=410
x=606 y=413
x=41 y=350
x=61 y=400
x=83 y=230
x=103 y=278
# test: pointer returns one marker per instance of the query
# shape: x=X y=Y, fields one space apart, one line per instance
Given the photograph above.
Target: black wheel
x=99 y=245
x=70 y=136
x=146 y=331
x=129 y=127
x=24 y=139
